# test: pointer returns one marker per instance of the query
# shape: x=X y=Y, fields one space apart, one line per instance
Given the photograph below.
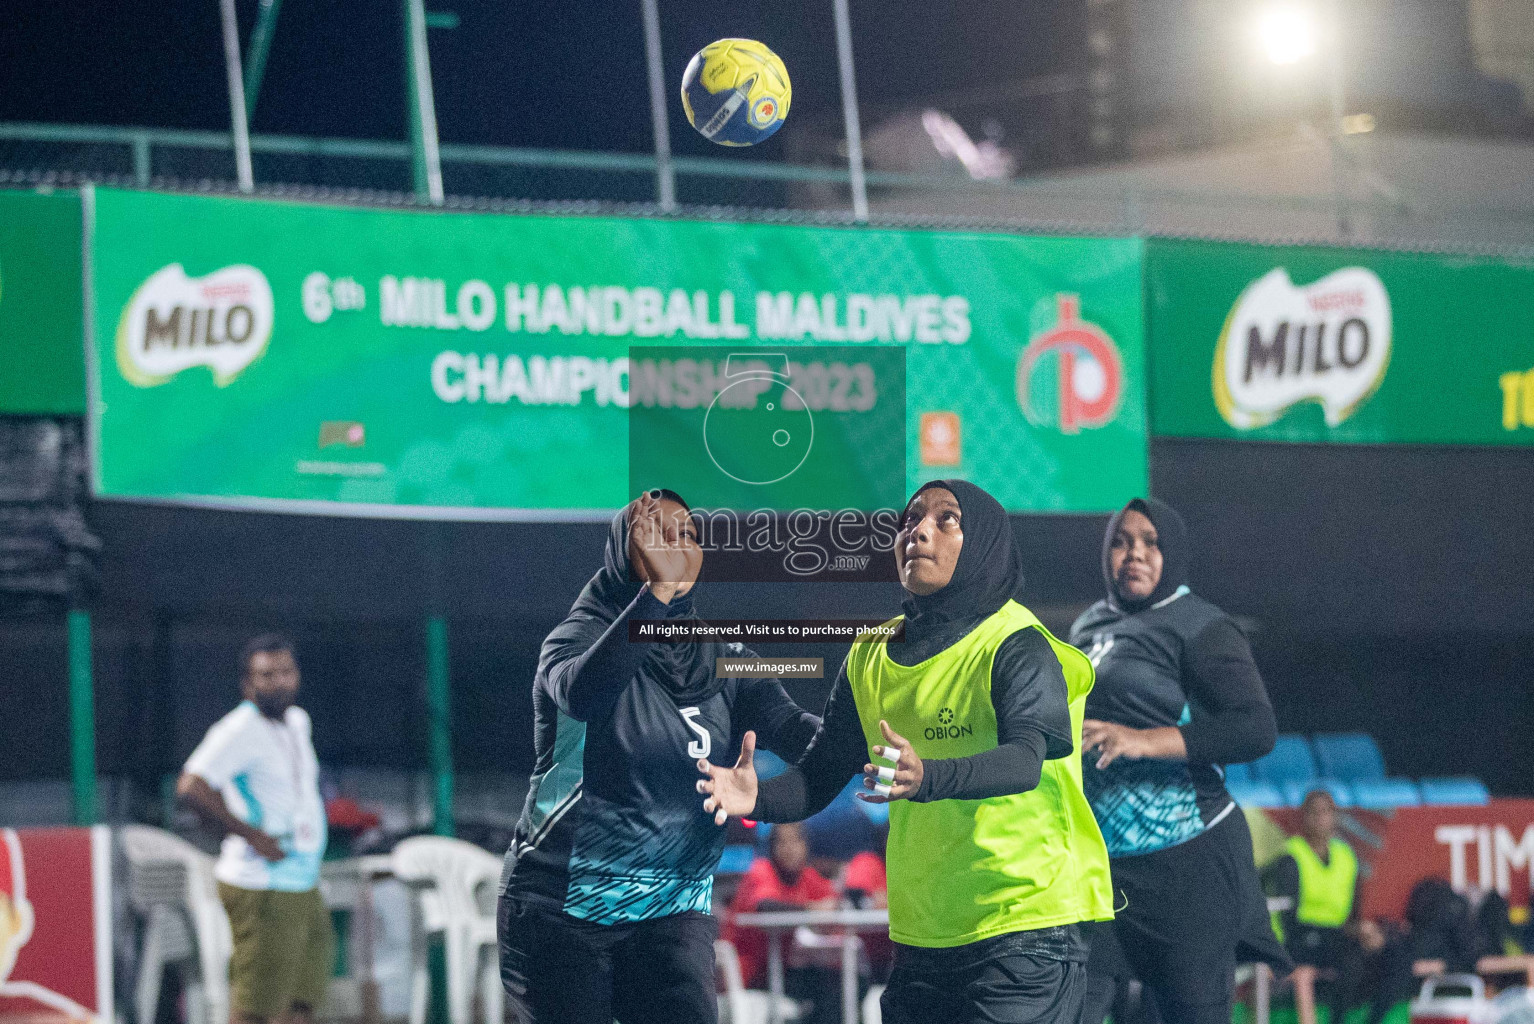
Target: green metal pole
x=82 y=718
x=260 y=46
x=439 y=715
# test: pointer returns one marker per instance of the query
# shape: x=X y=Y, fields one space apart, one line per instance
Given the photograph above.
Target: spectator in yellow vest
x=1318 y=874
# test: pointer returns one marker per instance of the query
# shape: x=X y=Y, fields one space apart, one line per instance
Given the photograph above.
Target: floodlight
x=1288 y=34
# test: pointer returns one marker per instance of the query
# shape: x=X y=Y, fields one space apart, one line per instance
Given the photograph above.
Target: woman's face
x=928 y=544
x=677 y=536
x=1134 y=558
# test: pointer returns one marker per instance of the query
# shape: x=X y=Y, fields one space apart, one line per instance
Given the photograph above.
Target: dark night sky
x=568 y=75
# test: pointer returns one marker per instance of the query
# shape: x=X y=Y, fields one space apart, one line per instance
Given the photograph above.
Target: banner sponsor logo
x=1089 y=372
x=348 y=432
x=1517 y=398
x=173 y=322
x=941 y=434
x=1283 y=344
x=488 y=354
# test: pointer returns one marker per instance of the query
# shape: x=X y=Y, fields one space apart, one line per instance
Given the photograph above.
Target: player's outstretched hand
x=668 y=550
x=898 y=783
x=731 y=791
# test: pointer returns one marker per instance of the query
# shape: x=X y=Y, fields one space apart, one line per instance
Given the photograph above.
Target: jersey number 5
x=699 y=747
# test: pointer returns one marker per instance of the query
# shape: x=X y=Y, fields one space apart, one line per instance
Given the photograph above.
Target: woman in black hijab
x=604 y=908
x=1178 y=697
x=993 y=857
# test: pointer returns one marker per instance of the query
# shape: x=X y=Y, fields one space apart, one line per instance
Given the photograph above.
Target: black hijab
x=989 y=572
x=1171 y=538
x=683 y=670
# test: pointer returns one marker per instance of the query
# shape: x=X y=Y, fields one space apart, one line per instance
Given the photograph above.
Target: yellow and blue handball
x=736 y=92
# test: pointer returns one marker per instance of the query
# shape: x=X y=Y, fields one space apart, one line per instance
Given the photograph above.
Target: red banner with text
x=55 y=925
x=1486 y=847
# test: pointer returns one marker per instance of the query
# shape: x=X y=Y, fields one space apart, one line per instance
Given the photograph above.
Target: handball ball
x=736 y=92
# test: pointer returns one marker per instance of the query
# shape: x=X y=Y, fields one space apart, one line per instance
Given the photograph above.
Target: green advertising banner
x=1282 y=343
x=294 y=356
x=41 y=330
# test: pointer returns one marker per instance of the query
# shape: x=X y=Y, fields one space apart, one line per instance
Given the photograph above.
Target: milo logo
x=1327 y=342
x=173 y=322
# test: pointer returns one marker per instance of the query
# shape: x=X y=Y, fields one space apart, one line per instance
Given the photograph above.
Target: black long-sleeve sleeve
x=1007 y=768
x=586 y=684
x=1029 y=696
x=837 y=753
x=1282 y=879
x=1231 y=719
x=782 y=726
x=1033 y=725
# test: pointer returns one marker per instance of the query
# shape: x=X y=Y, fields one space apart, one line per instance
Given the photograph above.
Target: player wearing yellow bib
x=994 y=856
x=1321 y=927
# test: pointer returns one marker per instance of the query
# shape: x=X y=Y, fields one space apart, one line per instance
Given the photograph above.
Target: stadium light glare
x=1288 y=34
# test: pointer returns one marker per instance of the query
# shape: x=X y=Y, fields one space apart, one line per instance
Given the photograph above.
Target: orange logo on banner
x=940 y=439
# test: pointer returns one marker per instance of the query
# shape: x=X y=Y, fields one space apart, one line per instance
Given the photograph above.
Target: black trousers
x=1184 y=913
x=558 y=969
x=1023 y=978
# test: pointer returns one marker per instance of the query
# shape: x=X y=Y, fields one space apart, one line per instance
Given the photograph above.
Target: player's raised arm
x=619 y=727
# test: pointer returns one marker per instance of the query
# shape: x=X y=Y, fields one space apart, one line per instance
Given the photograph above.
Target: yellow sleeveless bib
x=965 y=870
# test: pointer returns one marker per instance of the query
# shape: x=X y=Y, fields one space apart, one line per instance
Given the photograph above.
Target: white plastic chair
x=1453 y=997
x=454 y=884
x=741 y=1005
x=873 y=1013
x=170 y=883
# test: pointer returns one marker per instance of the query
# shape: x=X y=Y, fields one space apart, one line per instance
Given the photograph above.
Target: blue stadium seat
x=1350 y=756
x=1253 y=793
x=1458 y=790
x=736 y=860
x=768 y=765
x=1290 y=761
x=1294 y=792
x=843 y=828
x=1385 y=794
x=1238 y=773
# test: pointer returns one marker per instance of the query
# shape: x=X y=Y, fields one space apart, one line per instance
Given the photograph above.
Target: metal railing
x=380 y=172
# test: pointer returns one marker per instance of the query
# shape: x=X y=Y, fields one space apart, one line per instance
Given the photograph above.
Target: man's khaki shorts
x=284 y=950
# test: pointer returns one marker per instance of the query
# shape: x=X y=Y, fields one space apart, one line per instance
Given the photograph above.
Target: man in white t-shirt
x=255 y=778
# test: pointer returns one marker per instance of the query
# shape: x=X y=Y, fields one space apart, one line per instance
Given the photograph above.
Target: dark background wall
x=1386 y=589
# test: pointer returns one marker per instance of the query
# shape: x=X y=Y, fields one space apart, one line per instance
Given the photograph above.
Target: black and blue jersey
x=1179 y=662
x=613 y=829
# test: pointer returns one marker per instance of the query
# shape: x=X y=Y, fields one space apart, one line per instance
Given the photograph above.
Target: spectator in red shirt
x=783 y=880
x=864 y=881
